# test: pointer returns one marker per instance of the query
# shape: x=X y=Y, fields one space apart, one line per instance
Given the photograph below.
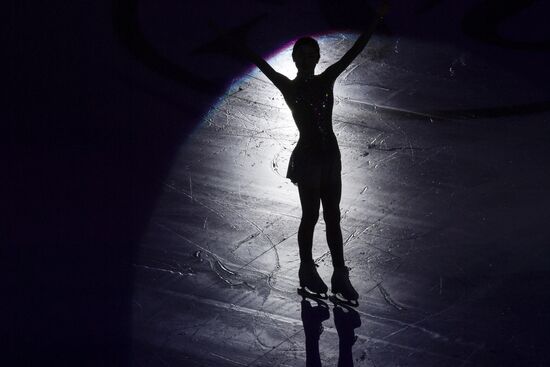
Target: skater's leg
x=331 y=192
x=309 y=197
x=310 y=200
x=330 y=195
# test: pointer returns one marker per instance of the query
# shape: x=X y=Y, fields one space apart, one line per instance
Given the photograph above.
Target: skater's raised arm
x=278 y=79
x=234 y=43
x=338 y=67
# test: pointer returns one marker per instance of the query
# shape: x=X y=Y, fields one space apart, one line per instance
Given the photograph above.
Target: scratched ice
x=218 y=266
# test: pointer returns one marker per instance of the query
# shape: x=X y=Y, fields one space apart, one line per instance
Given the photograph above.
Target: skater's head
x=306 y=55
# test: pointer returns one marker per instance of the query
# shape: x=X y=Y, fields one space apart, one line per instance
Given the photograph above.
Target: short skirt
x=312 y=167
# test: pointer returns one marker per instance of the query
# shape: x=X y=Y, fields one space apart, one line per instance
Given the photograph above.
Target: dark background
x=99 y=95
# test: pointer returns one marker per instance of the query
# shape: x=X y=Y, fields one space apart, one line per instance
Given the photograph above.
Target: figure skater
x=315 y=165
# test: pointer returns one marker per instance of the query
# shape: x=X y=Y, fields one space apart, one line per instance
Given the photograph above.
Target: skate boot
x=310 y=281
x=341 y=287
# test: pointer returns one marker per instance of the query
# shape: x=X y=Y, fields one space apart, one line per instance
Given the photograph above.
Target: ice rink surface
x=444 y=219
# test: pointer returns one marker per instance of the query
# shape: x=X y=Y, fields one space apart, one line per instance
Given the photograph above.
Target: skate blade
x=337 y=299
x=306 y=293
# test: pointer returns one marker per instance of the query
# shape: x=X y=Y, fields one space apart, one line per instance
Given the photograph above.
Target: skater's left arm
x=337 y=68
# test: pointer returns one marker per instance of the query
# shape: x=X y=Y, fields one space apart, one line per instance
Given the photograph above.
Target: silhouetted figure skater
x=315 y=165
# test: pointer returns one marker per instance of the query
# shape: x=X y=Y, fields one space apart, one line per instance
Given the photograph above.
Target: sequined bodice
x=311 y=101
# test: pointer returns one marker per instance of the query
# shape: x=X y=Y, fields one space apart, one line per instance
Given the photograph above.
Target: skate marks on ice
x=270 y=335
x=217 y=271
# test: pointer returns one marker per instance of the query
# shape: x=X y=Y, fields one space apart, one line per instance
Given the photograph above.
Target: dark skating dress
x=315 y=161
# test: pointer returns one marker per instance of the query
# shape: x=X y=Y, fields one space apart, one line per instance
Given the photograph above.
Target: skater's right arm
x=235 y=43
x=239 y=48
x=278 y=79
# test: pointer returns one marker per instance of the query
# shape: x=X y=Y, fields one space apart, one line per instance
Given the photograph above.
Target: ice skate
x=311 y=284
x=343 y=291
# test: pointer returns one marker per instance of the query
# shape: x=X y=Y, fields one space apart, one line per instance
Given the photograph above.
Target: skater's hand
x=235 y=40
x=382 y=9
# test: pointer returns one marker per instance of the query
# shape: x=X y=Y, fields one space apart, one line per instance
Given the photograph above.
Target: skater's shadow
x=346 y=320
x=312 y=319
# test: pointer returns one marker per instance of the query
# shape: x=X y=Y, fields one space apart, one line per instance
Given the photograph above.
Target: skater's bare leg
x=310 y=200
x=309 y=278
x=330 y=196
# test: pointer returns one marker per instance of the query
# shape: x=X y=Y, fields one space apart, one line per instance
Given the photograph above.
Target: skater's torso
x=311 y=100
